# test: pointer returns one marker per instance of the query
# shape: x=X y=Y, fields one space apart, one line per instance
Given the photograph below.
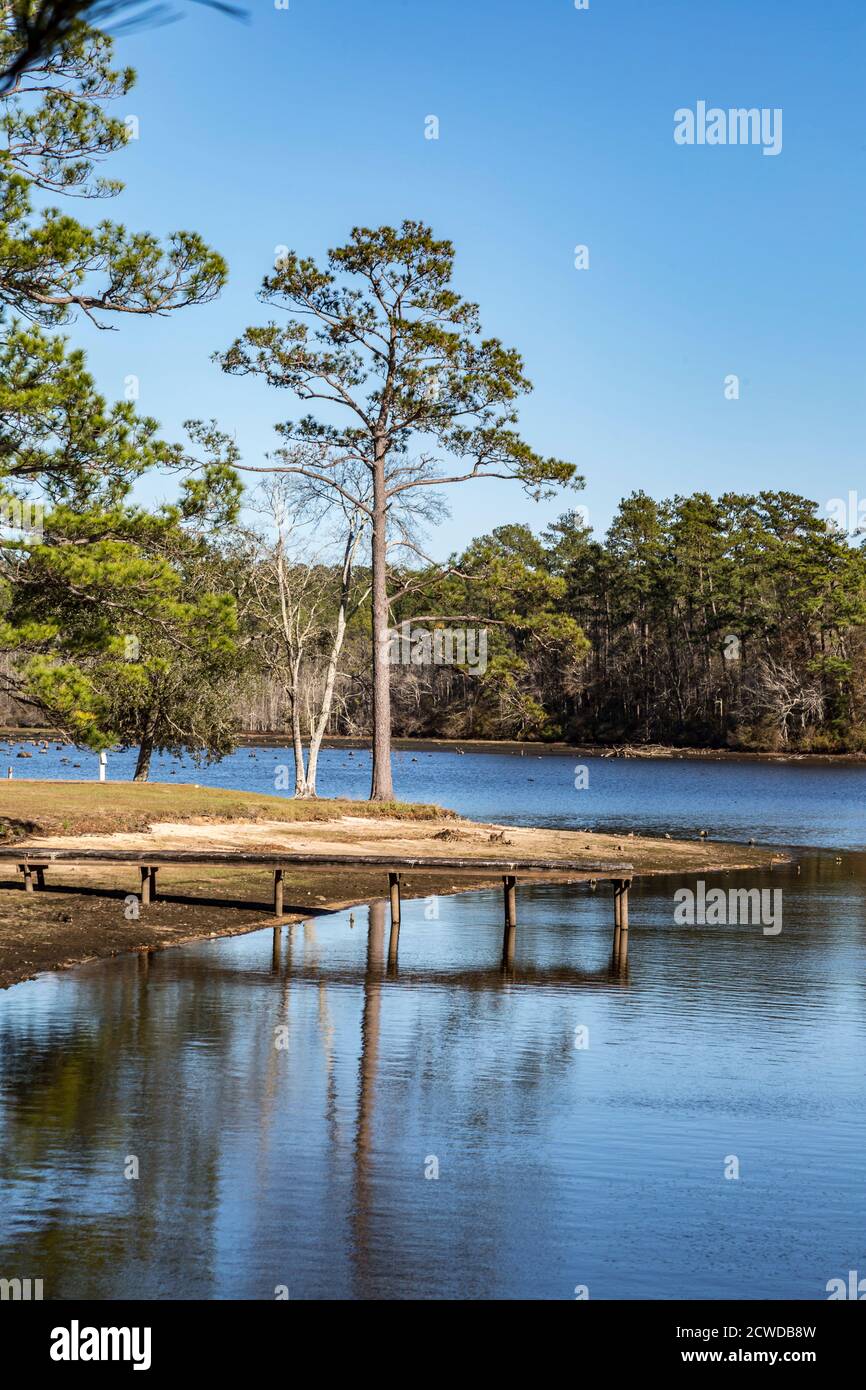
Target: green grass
x=88 y=808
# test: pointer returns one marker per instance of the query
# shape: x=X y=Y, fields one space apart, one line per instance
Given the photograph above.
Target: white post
x=103 y=760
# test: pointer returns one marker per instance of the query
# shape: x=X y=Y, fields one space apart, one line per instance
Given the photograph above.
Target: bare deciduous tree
x=302 y=607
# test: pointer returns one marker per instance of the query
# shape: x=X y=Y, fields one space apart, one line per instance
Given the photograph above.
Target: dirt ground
x=87 y=912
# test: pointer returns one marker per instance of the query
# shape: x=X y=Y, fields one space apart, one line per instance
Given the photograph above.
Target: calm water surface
x=782 y=803
x=285 y=1098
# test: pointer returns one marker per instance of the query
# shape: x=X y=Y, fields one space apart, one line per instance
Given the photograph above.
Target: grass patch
x=92 y=808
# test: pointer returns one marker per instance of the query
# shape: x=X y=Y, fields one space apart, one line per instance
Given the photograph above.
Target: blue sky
x=556 y=129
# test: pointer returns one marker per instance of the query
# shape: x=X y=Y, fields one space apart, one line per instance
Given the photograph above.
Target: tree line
x=733 y=622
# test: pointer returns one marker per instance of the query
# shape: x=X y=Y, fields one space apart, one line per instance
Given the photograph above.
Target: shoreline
x=513 y=747
x=81 y=913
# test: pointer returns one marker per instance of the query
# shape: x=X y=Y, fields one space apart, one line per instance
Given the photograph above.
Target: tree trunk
x=301 y=788
x=321 y=724
x=145 y=752
x=382 y=787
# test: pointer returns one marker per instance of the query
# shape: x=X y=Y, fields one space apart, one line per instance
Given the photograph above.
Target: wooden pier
x=36 y=861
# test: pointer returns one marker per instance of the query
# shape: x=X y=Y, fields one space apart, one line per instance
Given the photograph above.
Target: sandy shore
x=81 y=915
x=439 y=838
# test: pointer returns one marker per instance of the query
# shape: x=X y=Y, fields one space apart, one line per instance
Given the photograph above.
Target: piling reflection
x=367 y=1071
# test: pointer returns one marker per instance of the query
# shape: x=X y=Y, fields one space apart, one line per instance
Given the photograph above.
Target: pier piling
x=32 y=868
x=509 y=938
x=620 y=921
x=394 y=890
x=278 y=892
x=394 y=938
x=28 y=870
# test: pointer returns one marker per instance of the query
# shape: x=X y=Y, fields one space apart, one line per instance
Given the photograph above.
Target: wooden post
x=624 y=925
x=28 y=878
x=620 y=937
x=393 y=944
x=509 y=885
x=394 y=888
x=509 y=938
x=151 y=873
x=617 y=918
x=40 y=875
x=275 y=954
x=278 y=892
x=623 y=907
x=145 y=886
x=394 y=938
x=622 y=954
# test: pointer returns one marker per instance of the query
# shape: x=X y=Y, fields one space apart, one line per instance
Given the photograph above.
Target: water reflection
x=286 y=1094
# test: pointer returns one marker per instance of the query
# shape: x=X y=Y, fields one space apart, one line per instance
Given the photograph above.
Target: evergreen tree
x=380 y=338
x=115 y=615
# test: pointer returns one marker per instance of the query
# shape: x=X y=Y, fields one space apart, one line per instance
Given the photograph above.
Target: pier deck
x=33 y=862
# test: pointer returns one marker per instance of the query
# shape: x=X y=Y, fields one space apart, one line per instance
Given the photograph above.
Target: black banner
x=82 y=1339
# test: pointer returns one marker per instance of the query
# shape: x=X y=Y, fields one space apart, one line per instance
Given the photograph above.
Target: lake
x=279 y=1112
x=805 y=803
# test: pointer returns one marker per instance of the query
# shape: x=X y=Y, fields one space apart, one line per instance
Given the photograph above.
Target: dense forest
x=737 y=622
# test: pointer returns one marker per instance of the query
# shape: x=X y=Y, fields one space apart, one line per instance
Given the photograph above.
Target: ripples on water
x=558 y=1166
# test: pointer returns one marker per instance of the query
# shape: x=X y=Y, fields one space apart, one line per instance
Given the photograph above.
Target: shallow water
x=303 y=1165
